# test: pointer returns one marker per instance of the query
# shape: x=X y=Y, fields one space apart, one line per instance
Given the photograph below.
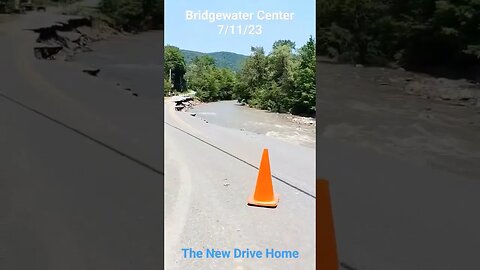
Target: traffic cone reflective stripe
x=264 y=194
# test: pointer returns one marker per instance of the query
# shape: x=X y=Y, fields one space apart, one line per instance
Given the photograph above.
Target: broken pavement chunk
x=47 y=53
x=93 y=72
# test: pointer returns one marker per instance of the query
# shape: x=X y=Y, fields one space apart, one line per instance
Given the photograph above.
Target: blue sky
x=204 y=36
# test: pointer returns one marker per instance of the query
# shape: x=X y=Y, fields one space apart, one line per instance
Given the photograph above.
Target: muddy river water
x=354 y=108
x=234 y=115
x=131 y=62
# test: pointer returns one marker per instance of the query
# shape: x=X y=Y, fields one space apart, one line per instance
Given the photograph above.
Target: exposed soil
x=65 y=39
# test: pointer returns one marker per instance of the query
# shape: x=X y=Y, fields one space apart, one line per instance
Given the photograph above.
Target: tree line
x=410 y=33
x=280 y=81
x=134 y=15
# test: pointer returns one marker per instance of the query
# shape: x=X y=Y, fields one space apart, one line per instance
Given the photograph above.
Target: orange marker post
x=264 y=195
x=327 y=258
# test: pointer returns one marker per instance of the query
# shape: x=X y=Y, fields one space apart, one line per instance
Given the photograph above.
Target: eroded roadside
x=128 y=62
x=65 y=139
x=63 y=40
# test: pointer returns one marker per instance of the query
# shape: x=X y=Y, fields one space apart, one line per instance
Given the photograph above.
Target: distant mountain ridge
x=229 y=60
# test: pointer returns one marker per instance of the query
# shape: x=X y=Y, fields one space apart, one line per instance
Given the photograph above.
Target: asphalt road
x=81 y=184
x=395 y=208
x=209 y=173
x=81 y=164
x=392 y=214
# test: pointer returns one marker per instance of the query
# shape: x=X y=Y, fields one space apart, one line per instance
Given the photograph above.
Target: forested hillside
x=281 y=81
x=229 y=60
x=426 y=35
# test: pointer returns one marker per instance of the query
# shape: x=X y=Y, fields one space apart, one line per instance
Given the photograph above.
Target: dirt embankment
x=65 y=39
x=459 y=92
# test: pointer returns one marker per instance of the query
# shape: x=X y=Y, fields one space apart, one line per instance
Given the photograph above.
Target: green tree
x=227 y=82
x=286 y=42
x=282 y=81
x=305 y=83
x=197 y=72
x=201 y=77
x=167 y=87
x=416 y=34
x=208 y=81
x=108 y=6
x=174 y=67
x=129 y=14
x=253 y=75
x=281 y=85
x=134 y=15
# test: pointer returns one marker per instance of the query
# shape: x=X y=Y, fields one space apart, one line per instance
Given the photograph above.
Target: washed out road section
x=208 y=180
x=73 y=191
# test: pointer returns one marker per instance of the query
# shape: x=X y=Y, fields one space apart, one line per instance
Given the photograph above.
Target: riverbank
x=231 y=114
x=431 y=121
x=297 y=119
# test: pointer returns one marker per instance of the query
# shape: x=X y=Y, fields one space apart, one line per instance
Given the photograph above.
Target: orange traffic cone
x=264 y=194
x=327 y=258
